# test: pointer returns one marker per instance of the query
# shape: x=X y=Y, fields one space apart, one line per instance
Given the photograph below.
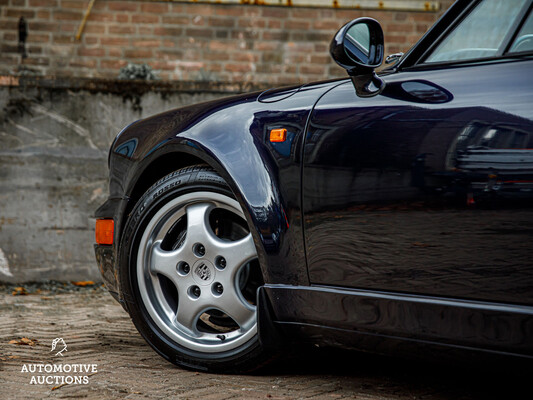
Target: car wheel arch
x=160 y=164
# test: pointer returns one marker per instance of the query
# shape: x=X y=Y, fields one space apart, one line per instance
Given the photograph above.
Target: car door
x=427 y=188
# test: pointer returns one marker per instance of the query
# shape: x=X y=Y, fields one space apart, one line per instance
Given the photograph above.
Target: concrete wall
x=54 y=140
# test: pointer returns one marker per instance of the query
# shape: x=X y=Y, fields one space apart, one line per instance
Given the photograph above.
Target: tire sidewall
x=176 y=184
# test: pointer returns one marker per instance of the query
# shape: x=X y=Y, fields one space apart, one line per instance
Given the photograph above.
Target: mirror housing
x=358 y=48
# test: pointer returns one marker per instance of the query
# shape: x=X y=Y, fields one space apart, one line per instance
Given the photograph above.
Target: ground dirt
x=98 y=331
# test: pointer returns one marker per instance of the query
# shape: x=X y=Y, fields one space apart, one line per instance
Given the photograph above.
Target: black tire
x=158 y=234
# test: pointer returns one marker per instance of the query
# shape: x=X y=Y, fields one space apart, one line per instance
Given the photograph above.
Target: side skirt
x=367 y=319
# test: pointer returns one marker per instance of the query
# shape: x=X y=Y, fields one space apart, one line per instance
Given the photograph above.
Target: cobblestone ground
x=97 y=331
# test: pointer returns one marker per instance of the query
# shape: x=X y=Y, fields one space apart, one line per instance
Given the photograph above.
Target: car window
x=524 y=39
x=481 y=33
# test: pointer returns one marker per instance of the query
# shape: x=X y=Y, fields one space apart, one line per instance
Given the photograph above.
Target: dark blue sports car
x=389 y=208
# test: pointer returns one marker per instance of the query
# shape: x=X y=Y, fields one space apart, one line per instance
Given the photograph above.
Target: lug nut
x=196 y=292
x=200 y=250
x=219 y=288
x=186 y=268
x=221 y=262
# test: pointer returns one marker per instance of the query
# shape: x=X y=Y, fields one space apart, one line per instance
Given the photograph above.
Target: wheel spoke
x=238 y=253
x=188 y=312
x=164 y=262
x=236 y=307
x=198 y=228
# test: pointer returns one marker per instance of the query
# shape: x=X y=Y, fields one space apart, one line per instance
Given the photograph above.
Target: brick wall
x=186 y=41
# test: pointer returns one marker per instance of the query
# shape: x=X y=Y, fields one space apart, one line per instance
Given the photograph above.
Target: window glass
x=481 y=33
x=524 y=39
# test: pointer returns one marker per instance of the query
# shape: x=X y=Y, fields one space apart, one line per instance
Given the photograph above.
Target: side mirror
x=358 y=48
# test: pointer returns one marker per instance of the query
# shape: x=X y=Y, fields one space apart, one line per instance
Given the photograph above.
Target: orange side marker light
x=104 y=231
x=278 y=135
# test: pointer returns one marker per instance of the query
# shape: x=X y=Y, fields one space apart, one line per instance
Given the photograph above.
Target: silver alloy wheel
x=194 y=268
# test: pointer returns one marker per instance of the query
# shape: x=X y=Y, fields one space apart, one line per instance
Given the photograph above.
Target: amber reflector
x=278 y=135
x=104 y=231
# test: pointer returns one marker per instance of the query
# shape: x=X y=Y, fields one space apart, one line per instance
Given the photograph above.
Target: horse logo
x=59 y=343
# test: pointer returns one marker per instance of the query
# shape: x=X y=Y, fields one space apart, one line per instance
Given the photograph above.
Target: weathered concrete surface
x=54 y=140
x=98 y=331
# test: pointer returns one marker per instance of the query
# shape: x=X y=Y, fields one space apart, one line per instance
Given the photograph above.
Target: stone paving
x=96 y=330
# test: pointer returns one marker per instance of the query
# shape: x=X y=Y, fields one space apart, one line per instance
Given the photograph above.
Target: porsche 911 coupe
x=386 y=209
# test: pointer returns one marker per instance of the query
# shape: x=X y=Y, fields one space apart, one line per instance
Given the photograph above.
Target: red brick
x=95 y=52
x=169 y=54
x=42 y=3
x=69 y=27
x=90 y=39
x=82 y=63
x=199 y=32
x=320 y=59
x=73 y=4
x=297 y=24
x=160 y=31
x=121 y=29
x=221 y=22
x=114 y=51
x=9 y=48
x=274 y=24
x=424 y=17
x=122 y=18
x=100 y=16
x=421 y=28
x=395 y=38
x=312 y=69
x=180 y=20
x=19 y=12
x=146 y=43
x=162 y=65
x=36 y=61
x=123 y=5
x=43 y=26
x=10 y=25
x=10 y=36
x=145 y=30
x=251 y=23
x=176 y=8
x=234 y=11
x=144 y=19
x=113 y=64
x=329 y=25
x=215 y=56
x=276 y=12
x=62 y=39
x=114 y=41
x=266 y=46
x=245 y=57
x=43 y=14
x=38 y=37
x=94 y=27
x=153 y=7
x=238 y=67
x=68 y=16
x=138 y=53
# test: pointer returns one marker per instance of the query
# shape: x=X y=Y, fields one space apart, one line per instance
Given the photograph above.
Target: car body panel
x=231 y=135
x=393 y=201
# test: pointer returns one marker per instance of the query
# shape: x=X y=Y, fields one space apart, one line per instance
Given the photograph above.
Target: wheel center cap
x=203 y=272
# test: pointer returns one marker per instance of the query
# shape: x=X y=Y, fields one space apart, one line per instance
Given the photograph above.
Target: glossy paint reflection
x=424 y=189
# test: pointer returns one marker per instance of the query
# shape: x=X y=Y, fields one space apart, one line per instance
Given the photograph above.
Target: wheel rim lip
x=149 y=287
